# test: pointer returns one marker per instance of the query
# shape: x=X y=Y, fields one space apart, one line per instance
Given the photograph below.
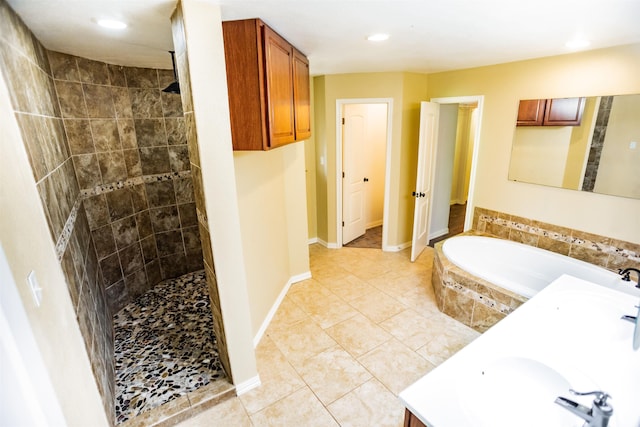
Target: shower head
x=175 y=86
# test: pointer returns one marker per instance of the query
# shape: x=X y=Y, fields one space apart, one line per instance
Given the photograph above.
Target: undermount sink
x=523 y=389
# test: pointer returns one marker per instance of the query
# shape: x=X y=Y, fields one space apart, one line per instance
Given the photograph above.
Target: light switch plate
x=36 y=290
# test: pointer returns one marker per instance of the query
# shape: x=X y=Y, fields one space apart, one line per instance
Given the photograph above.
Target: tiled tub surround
x=469 y=299
x=165 y=350
x=26 y=69
x=127 y=140
x=480 y=304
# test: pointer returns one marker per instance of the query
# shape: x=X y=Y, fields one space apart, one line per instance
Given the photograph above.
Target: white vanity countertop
x=569 y=335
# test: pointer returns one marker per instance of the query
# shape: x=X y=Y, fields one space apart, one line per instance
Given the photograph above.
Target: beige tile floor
x=343 y=344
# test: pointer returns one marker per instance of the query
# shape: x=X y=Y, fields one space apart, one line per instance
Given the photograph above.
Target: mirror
x=586 y=144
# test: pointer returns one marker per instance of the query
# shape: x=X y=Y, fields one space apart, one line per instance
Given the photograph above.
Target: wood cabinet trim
x=550 y=112
x=531 y=112
x=301 y=95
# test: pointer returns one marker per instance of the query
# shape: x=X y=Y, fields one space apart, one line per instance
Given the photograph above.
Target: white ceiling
x=426 y=35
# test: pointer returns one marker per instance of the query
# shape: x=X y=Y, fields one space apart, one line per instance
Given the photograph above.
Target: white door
x=429 y=112
x=353 y=179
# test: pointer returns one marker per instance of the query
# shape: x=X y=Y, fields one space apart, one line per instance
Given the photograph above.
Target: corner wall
x=197 y=29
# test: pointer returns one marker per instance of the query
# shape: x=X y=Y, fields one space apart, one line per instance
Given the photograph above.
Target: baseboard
x=272 y=312
x=312 y=240
x=396 y=248
x=248 y=385
x=438 y=233
x=373 y=224
x=300 y=277
x=327 y=245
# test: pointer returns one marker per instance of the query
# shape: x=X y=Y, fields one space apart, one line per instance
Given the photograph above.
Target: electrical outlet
x=36 y=290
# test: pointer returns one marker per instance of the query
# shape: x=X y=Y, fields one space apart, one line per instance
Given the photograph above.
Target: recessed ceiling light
x=378 y=37
x=577 y=43
x=112 y=24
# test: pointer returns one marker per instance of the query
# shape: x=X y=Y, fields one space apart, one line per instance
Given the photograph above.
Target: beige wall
x=310 y=174
x=539 y=154
x=273 y=221
x=599 y=72
x=24 y=235
x=618 y=161
x=406 y=90
x=376 y=140
x=465 y=136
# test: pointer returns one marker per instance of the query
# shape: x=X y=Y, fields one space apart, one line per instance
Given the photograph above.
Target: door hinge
x=343 y=223
x=343 y=120
x=343 y=174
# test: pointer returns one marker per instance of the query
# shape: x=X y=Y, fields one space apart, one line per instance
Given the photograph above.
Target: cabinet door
x=301 y=96
x=279 y=83
x=411 y=420
x=531 y=112
x=564 y=112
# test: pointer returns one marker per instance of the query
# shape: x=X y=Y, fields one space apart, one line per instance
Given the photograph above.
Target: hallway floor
x=164 y=346
x=372 y=239
x=343 y=344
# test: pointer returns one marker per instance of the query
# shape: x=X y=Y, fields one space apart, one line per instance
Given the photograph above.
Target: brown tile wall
x=128 y=143
x=179 y=43
x=469 y=299
x=26 y=68
x=612 y=254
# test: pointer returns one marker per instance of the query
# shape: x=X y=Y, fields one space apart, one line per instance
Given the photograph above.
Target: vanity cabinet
x=551 y=112
x=268 y=81
x=411 y=420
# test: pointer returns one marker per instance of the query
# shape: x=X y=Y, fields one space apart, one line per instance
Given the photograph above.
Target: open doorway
x=458 y=140
x=363 y=141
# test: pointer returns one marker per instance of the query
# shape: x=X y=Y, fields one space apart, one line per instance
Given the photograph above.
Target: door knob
x=366 y=179
x=422 y=194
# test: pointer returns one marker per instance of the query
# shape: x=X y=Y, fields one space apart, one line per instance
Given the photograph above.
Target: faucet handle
x=600 y=396
x=626 y=274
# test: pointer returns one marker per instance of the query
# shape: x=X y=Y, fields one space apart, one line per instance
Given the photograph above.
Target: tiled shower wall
x=179 y=42
x=128 y=144
x=26 y=70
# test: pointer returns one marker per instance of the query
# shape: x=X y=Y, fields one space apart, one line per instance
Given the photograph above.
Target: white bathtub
x=521 y=268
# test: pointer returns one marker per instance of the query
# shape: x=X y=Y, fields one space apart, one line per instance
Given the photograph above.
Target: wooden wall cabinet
x=550 y=112
x=268 y=81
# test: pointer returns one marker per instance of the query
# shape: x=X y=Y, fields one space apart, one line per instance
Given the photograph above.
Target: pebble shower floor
x=164 y=345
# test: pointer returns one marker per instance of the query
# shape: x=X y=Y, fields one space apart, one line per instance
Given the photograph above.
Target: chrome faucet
x=597 y=416
x=626 y=275
x=636 y=332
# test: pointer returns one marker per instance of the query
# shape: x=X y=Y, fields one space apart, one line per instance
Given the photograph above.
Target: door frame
x=387 y=174
x=468 y=218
